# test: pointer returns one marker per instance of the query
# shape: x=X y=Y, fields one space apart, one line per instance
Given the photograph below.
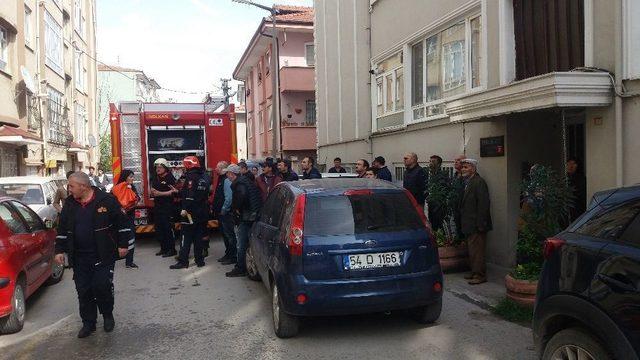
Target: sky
x=185 y=45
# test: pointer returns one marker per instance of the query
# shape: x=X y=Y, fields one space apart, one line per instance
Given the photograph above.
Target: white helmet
x=161 y=161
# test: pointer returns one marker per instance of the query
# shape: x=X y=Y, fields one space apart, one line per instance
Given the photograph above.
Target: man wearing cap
x=383 y=171
x=245 y=206
x=475 y=218
x=268 y=179
x=222 y=210
x=162 y=191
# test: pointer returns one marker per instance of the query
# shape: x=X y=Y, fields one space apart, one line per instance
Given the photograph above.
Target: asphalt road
x=201 y=314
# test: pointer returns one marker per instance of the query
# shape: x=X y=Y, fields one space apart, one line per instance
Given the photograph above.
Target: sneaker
x=170 y=253
x=86 y=331
x=179 y=265
x=236 y=272
x=109 y=323
x=160 y=253
x=229 y=261
x=131 y=266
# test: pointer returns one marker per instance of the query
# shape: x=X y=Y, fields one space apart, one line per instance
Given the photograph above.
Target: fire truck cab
x=144 y=132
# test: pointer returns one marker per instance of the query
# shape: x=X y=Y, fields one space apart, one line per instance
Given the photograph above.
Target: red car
x=26 y=260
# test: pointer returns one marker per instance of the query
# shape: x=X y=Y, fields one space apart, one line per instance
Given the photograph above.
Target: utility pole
x=225 y=91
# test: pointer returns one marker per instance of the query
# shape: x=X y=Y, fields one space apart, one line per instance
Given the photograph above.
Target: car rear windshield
x=357 y=214
x=30 y=194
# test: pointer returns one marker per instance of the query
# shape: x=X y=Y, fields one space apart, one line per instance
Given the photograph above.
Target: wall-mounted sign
x=492 y=146
x=215 y=121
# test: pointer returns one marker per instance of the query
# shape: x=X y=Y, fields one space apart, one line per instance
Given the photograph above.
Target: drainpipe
x=39 y=6
x=618 y=99
x=369 y=43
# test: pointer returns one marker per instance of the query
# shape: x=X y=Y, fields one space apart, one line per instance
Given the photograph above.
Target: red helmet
x=191 y=162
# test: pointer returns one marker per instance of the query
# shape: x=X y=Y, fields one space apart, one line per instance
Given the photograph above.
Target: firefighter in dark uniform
x=194 y=213
x=94 y=232
x=163 y=190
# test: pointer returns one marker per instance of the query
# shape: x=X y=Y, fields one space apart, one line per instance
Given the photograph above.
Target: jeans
x=242 y=232
x=228 y=235
x=192 y=234
x=164 y=229
x=94 y=285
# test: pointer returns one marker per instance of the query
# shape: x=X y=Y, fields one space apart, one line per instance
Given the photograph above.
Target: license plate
x=372 y=261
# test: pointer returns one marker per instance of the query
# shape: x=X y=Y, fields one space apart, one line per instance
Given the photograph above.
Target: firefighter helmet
x=161 y=161
x=191 y=162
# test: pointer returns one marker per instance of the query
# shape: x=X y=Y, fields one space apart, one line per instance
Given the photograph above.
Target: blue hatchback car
x=344 y=246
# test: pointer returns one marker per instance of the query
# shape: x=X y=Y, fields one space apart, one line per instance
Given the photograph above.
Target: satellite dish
x=28 y=80
x=92 y=141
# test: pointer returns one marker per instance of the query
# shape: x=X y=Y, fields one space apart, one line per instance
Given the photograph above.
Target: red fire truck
x=144 y=132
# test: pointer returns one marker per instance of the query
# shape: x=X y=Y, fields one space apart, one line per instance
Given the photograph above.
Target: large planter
x=454 y=258
x=522 y=292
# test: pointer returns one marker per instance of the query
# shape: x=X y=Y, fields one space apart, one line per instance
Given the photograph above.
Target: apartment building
x=297 y=133
x=509 y=82
x=47 y=86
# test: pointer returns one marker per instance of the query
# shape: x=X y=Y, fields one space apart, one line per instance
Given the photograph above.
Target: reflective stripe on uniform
x=124 y=230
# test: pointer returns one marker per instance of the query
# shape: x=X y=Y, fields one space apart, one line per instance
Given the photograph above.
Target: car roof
x=337 y=186
x=35 y=180
x=617 y=195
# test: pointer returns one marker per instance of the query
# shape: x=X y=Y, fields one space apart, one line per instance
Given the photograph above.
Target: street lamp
x=275 y=78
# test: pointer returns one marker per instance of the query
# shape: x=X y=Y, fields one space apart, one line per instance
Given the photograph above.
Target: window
x=32 y=219
x=81 y=125
x=240 y=95
x=611 y=222
x=270 y=117
x=28 y=33
x=310 y=115
x=260 y=122
x=56 y=117
x=12 y=220
x=444 y=65
x=79 y=18
x=80 y=71
x=33 y=112
x=58 y=3
x=30 y=194
x=53 y=44
x=390 y=86
x=4 y=48
x=310 y=54
x=250 y=126
x=267 y=69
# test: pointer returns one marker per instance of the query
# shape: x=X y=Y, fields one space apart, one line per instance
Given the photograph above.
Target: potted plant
x=453 y=252
x=545 y=209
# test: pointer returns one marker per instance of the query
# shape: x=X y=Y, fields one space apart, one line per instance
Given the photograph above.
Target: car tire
x=571 y=342
x=428 y=314
x=15 y=321
x=57 y=271
x=284 y=325
x=252 y=269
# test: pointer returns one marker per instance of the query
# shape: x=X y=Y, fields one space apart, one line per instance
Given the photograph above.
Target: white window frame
x=468 y=75
x=55 y=116
x=261 y=122
x=28 y=26
x=79 y=21
x=270 y=117
x=53 y=31
x=58 y=3
x=250 y=126
x=4 y=49
x=80 y=72
x=382 y=100
x=81 y=124
x=306 y=54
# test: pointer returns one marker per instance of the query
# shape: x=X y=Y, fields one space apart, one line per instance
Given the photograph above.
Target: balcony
x=299 y=137
x=297 y=79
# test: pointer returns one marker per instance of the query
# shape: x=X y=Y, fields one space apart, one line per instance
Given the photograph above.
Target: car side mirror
x=48 y=224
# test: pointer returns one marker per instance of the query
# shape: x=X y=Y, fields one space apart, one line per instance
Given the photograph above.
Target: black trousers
x=229 y=235
x=164 y=228
x=94 y=284
x=192 y=234
x=132 y=245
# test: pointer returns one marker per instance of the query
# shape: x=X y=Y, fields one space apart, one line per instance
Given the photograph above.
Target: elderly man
x=94 y=232
x=415 y=178
x=457 y=184
x=475 y=219
x=222 y=211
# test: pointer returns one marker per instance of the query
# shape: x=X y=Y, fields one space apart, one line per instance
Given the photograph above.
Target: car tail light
x=301 y=299
x=551 y=245
x=358 y=192
x=296 y=234
x=437 y=286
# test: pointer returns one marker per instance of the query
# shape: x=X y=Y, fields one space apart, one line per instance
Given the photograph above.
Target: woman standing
x=128 y=197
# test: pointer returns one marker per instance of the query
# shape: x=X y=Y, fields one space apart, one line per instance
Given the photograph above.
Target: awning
x=17 y=136
x=33 y=162
x=77 y=148
x=559 y=89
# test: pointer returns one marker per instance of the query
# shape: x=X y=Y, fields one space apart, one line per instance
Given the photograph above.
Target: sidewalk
x=485 y=295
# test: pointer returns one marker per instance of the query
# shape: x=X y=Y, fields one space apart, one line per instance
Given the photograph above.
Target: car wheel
x=15 y=321
x=428 y=314
x=575 y=343
x=57 y=270
x=284 y=325
x=252 y=269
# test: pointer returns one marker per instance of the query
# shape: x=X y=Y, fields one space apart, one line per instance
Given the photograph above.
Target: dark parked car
x=348 y=246
x=26 y=260
x=588 y=301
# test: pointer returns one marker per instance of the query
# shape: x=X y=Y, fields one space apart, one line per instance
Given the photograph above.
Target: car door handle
x=616 y=284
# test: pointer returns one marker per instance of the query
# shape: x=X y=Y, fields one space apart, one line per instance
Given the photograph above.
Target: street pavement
x=198 y=313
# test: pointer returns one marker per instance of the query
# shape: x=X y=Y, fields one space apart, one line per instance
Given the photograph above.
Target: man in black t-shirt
x=162 y=191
